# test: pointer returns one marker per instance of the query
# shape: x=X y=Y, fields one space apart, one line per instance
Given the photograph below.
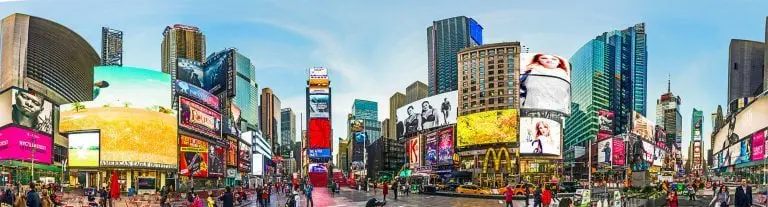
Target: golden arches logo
x=497 y=159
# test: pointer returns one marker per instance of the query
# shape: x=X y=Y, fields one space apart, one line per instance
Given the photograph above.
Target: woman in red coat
x=546 y=197
x=385 y=190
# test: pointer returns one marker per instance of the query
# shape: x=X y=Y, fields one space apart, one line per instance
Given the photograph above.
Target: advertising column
x=319 y=124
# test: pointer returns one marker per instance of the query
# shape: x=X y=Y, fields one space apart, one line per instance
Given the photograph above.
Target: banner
x=194 y=157
x=198 y=94
x=427 y=113
x=83 y=149
x=605 y=122
x=414 y=149
x=232 y=153
x=189 y=71
x=216 y=157
x=25 y=145
x=446 y=147
x=198 y=118
x=545 y=82
x=245 y=157
x=604 y=151
x=619 y=154
x=758 y=145
x=319 y=106
x=430 y=157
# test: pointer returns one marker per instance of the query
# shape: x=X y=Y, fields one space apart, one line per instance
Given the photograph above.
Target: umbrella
x=114 y=186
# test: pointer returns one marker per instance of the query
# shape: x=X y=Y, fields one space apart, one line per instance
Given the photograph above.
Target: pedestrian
x=227 y=199
x=209 y=202
x=9 y=197
x=265 y=196
x=546 y=196
x=259 y=191
x=198 y=202
x=537 y=197
x=33 y=198
x=691 y=192
x=385 y=190
x=394 y=188
x=527 y=195
x=163 y=196
x=566 y=202
x=721 y=199
x=408 y=189
x=672 y=199
x=743 y=194
x=508 y=196
x=308 y=193
x=104 y=196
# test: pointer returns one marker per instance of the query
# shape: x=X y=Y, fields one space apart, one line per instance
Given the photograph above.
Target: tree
x=77 y=106
x=126 y=104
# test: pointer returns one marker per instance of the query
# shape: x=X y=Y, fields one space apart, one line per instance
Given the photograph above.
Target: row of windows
x=482 y=53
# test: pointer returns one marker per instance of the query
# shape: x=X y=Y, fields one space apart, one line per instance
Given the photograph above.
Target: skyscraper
x=181 y=41
x=745 y=69
x=111 y=47
x=669 y=118
x=270 y=119
x=609 y=73
x=368 y=112
x=246 y=93
x=397 y=100
x=444 y=40
x=287 y=130
x=696 y=150
x=492 y=86
x=417 y=90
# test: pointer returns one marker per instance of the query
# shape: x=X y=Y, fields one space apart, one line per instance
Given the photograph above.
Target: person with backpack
x=33 y=198
x=537 y=197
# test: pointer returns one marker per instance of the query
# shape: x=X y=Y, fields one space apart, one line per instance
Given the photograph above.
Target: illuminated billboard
x=604 y=151
x=216 y=69
x=232 y=152
x=26 y=109
x=697 y=127
x=83 y=149
x=194 y=157
x=318 y=73
x=427 y=113
x=23 y=144
x=658 y=157
x=445 y=156
x=245 y=155
x=744 y=151
x=319 y=133
x=216 y=157
x=232 y=121
x=198 y=118
x=749 y=120
x=189 y=71
x=642 y=127
x=319 y=106
x=489 y=127
x=619 y=153
x=605 y=124
x=258 y=165
x=319 y=153
x=130 y=106
x=540 y=134
x=358 y=146
x=430 y=148
x=758 y=145
x=319 y=90
x=545 y=82
x=413 y=149
x=198 y=94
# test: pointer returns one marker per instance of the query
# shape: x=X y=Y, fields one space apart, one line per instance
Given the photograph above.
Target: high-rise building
x=396 y=101
x=246 y=93
x=669 y=118
x=46 y=57
x=609 y=73
x=745 y=69
x=385 y=128
x=491 y=86
x=444 y=40
x=287 y=130
x=695 y=148
x=111 y=47
x=270 y=119
x=181 y=41
x=368 y=112
x=342 y=159
x=417 y=90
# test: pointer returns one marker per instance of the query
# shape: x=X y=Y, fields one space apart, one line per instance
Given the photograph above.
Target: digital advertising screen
x=198 y=118
x=758 y=145
x=194 y=157
x=697 y=127
x=245 y=157
x=319 y=105
x=130 y=106
x=649 y=151
x=605 y=124
x=319 y=90
x=540 y=136
x=319 y=133
x=26 y=109
x=545 y=82
x=319 y=153
x=642 y=127
x=232 y=152
x=232 y=121
x=430 y=148
x=744 y=151
x=414 y=152
x=489 y=127
x=318 y=73
x=216 y=157
x=605 y=151
x=197 y=94
x=258 y=165
x=17 y=143
x=658 y=157
x=83 y=149
x=618 y=152
x=215 y=79
x=427 y=113
x=358 y=146
x=318 y=167
x=445 y=146
x=743 y=124
x=189 y=71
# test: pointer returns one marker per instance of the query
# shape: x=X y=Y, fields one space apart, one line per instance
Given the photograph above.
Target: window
x=500 y=84
x=482 y=53
x=490 y=72
x=464 y=97
x=491 y=52
x=500 y=61
x=735 y=66
x=490 y=85
x=500 y=78
x=491 y=101
x=489 y=79
x=490 y=67
x=482 y=94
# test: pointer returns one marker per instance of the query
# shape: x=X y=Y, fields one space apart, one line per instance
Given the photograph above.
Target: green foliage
x=77 y=106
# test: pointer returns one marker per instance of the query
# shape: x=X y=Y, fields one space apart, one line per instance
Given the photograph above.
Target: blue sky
x=375 y=48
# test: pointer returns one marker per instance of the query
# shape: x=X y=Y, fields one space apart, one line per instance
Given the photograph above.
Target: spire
x=669 y=83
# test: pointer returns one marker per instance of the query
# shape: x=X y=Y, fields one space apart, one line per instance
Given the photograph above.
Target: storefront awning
x=13 y=163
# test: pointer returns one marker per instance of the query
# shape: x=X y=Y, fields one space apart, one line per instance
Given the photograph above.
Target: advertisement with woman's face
x=545 y=82
x=540 y=136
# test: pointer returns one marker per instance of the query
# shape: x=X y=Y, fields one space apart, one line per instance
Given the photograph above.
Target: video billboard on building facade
x=198 y=94
x=26 y=109
x=541 y=133
x=198 y=118
x=445 y=156
x=489 y=127
x=427 y=113
x=319 y=133
x=189 y=71
x=83 y=149
x=194 y=157
x=23 y=144
x=545 y=82
x=431 y=150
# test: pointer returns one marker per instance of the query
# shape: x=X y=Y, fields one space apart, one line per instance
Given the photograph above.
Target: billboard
x=540 y=136
x=232 y=153
x=319 y=106
x=445 y=156
x=319 y=153
x=414 y=152
x=258 y=165
x=318 y=167
x=318 y=73
x=430 y=112
x=319 y=90
x=232 y=121
x=619 y=153
x=658 y=157
x=83 y=149
x=216 y=157
x=198 y=118
x=194 y=157
x=545 y=82
x=697 y=127
x=744 y=123
x=489 y=127
x=189 y=71
x=605 y=151
x=649 y=151
x=605 y=124
x=23 y=144
x=430 y=148
x=642 y=127
x=245 y=157
x=758 y=145
x=198 y=94
x=216 y=64
x=319 y=133
x=130 y=106
x=358 y=146
x=26 y=109
x=744 y=152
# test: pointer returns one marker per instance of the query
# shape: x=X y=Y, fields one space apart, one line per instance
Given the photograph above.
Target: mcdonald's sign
x=496 y=155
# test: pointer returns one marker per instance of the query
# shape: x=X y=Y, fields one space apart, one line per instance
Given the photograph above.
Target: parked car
x=472 y=189
x=450 y=186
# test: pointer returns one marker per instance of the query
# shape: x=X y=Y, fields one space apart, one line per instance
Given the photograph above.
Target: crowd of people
x=42 y=196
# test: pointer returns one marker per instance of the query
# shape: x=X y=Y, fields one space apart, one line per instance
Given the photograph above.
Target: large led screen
x=258 y=165
x=430 y=148
x=748 y=121
x=232 y=122
x=198 y=94
x=445 y=156
x=215 y=80
x=189 y=71
x=319 y=153
x=758 y=145
x=649 y=151
x=27 y=110
x=358 y=146
x=132 y=109
x=618 y=154
x=319 y=133
x=605 y=124
x=198 y=118
x=658 y=157
x=489 y=127
x=642 y=127
x=194 y=157
x=245 y=157
x=83 y=149
x=545 y=82
x=604 y=151
x=427 y=113
x=414 y=152
x=744 y=151
x=232 y=153
x=540 y=136
x=216 y=157
x=319 y=105
x=23 y=144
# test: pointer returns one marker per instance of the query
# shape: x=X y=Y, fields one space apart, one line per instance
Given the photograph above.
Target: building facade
x=246 y=93
x=745 y=69
x=396 y=101
x=696 y=149
x=417 y=90
x=287 y=130
x=488 y=77
x=181 y=41
x=368 y=112
x=342 y=158
x=444 y=40
x=270 y=119
x=111 y=47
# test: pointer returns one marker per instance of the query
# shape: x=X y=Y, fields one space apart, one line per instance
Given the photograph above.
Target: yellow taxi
x=472 y=189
